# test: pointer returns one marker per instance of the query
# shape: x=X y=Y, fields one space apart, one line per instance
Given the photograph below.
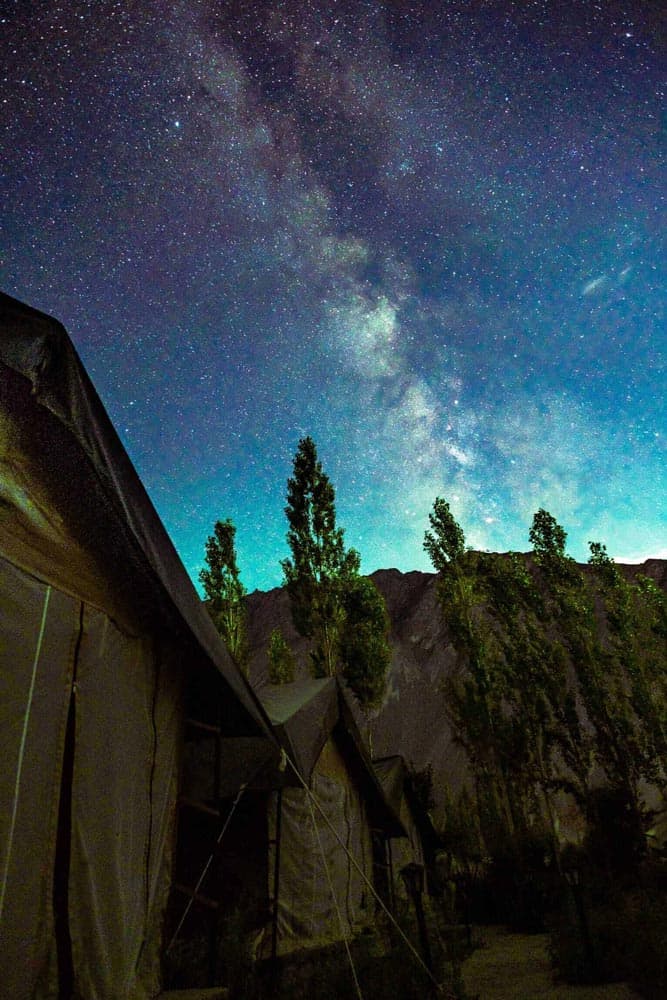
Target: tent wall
x=127 y=734
x=307 y=912
x=119 y=806
x=405 y=850
x=38 y=627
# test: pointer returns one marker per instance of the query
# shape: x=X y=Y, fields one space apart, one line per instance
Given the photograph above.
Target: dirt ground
x=517 y=967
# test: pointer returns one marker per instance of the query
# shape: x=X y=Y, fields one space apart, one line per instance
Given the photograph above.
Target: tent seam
x=151 y=783
x=24 y=737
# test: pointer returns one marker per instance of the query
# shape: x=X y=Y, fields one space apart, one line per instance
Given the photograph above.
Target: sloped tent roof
x=112 y=542
x=391 y=772
x=304 y=714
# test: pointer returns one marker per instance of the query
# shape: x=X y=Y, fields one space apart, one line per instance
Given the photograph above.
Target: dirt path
x=517 y=967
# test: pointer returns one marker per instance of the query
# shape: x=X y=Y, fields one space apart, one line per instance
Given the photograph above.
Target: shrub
x=623 y=937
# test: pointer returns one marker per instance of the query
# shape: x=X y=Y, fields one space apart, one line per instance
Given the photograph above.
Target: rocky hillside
x=412 y=719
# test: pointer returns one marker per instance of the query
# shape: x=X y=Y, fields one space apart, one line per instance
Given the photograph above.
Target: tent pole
x=213 y=925
x=276 y=875
x=217 y=765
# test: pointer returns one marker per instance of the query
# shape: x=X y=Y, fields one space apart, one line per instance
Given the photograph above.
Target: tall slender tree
x=320 y=566
x=225 y=594
x=474 y=696
x=626 y=699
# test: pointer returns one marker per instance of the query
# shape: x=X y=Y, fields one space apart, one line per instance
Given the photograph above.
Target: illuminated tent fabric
x=100 y=627
x=313 y=721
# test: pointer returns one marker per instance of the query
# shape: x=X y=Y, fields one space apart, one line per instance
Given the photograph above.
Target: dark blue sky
x=430 y=235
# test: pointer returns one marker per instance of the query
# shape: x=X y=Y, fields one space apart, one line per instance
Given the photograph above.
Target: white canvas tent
x=100 y=633
x=421 y=843
x=323 y=836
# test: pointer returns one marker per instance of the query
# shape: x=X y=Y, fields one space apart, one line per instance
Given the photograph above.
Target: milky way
x=427 y=234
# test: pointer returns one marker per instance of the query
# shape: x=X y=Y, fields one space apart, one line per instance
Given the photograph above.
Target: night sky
x=428 y=234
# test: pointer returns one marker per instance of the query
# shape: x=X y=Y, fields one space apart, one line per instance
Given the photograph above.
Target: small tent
x=105 y=649
x=324 y=818
x=421 y=843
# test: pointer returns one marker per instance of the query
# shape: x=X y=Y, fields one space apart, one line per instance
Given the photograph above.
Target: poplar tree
x=628 y=704
x=320 y=566
x=475 y=696
x=225 y=594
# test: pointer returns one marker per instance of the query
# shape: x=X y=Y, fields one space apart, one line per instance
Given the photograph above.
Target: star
x=265 y=221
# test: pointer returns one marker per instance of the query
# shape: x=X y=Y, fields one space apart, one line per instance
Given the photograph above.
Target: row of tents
x=147 y=792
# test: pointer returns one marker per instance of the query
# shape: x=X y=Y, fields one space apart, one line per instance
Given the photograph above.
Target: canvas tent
x=321 y=896
x=421 y=843
x=102 y=634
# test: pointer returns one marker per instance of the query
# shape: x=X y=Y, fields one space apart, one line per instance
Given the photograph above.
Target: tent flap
x=39 y=626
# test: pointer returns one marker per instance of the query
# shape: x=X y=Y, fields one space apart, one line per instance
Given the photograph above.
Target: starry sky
x=428 y=234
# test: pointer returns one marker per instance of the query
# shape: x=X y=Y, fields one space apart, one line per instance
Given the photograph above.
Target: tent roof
x=397 y=785
x=75 y=512
x=391 y=772
x=305 y=714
